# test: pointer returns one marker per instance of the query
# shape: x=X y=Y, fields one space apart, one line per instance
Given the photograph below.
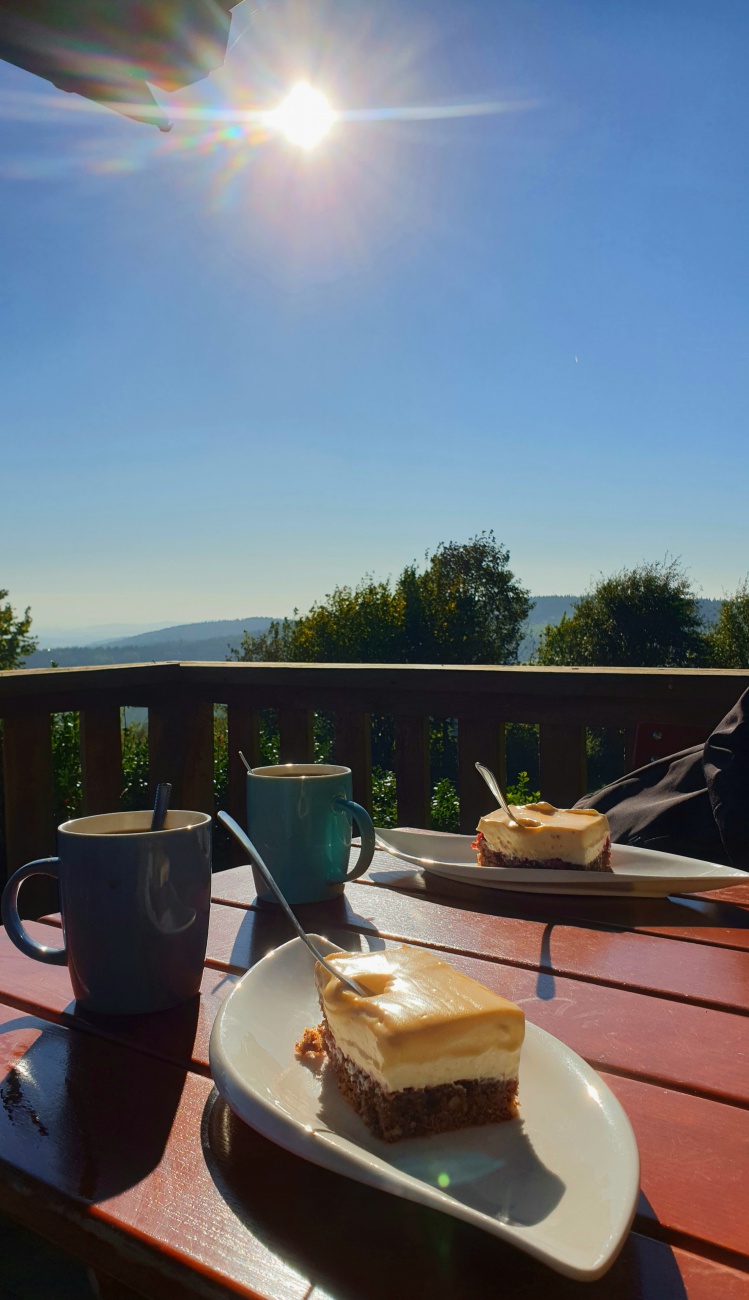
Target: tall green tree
x=464 y=606
x=729 y=638
x=646 y=617
x=15 y=642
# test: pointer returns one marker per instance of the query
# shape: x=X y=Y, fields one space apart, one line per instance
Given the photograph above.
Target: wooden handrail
x=609 y=696
x=180 y=699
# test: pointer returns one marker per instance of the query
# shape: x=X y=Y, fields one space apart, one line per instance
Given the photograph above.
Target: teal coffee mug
x=299 y=818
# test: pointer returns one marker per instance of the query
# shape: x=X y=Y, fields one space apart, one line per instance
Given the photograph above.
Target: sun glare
x=304 y=117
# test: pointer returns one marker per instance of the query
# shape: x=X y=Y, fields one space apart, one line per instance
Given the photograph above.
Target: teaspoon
x=249 y=847
x=493 y=785
x=160 y=805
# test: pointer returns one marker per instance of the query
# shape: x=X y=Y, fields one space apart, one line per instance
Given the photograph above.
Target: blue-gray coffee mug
x=135 y=905
x=299 y=817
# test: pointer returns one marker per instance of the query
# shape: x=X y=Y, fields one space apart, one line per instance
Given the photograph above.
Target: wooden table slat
x=673 y=1043
x=719 y=918
x=179 y=1035
x=208 y=1194
x=639 y=961
x=113 y=1143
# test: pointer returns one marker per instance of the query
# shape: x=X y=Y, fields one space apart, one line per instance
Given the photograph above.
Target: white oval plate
x=635 y=872
x=560 y=1184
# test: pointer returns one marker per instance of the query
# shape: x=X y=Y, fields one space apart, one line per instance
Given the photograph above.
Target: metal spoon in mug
x=249 y=847
x=493 y=785
x=160 y=805
x=244 y=760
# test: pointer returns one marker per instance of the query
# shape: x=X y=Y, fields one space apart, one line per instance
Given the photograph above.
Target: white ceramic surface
x=560 y=1184
x=635 y=872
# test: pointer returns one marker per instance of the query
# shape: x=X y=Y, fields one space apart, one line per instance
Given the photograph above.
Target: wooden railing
x=180 y=699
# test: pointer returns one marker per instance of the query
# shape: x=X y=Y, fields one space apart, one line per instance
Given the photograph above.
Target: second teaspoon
x=493 y=785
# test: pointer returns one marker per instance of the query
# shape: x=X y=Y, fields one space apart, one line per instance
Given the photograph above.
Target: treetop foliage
x=15 y=642
x=729 y=639
x=645 y=617
x=464 y=606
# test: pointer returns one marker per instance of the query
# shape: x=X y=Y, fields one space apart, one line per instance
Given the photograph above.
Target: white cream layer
x=576 y=835
x=425 y=1023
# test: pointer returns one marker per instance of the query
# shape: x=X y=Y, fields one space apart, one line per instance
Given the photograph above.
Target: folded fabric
x=694 y=803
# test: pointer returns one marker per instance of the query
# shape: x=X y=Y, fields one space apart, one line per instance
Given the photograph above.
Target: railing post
x=29 y=794
x=180 y=750
x=296 y=737
x=412 y=771
x=563 y=763
x=352 y=748
x=481 y=739
x=101 y=758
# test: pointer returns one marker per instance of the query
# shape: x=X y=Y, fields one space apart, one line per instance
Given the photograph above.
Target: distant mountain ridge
x=187 y=641
x=193 y=632
x=91 y=634
x=213 y=640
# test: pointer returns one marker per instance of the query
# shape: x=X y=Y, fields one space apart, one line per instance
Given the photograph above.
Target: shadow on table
x=266 y=927
x=546 y=985
x=85 y=1114
x=357 y=1243
x=621 y=913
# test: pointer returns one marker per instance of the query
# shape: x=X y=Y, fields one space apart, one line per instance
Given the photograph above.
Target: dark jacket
x=694 y=803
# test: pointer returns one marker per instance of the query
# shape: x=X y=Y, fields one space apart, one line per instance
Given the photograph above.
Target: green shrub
x=66 y=767
x=445 y=806
x=384 y=803
x=520 y=792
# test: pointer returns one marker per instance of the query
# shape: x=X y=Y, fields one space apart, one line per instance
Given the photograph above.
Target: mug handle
x=12 y=921
x=366 y=830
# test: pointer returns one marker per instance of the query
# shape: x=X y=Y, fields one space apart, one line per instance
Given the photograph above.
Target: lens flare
x=304 y=117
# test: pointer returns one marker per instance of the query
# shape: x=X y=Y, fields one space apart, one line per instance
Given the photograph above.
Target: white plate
x=561 y=1184
x=635 y=872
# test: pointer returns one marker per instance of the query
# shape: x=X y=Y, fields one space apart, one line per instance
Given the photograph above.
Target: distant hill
x=211 y=641
x=547 y=609
x=194 y=632
x=93 y=634
x=188 y=641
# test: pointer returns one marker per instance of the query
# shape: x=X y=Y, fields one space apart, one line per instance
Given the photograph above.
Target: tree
x=15 y=642
x=729 y=638
x=465 y=606
x=646 y=617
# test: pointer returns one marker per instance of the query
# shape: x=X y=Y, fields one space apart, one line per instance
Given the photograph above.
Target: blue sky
x=233 y=375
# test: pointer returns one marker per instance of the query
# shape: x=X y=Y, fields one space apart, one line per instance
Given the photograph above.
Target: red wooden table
x=114 y=1144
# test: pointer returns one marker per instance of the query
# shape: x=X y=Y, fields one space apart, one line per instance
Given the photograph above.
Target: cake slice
x=428 y=1051
x=561 y=839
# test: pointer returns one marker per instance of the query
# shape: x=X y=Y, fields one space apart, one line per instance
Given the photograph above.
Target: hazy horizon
x=100 y=634
x=235 y=375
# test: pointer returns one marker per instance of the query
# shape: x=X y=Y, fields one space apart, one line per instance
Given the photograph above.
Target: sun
x=304 y=117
